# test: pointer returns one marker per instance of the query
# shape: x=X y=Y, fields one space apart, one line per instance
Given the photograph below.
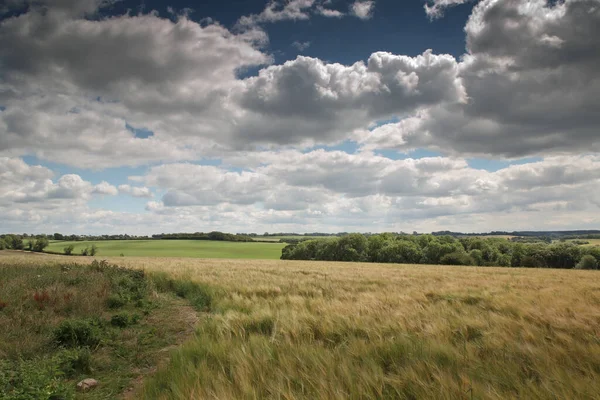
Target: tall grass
x=304 y=330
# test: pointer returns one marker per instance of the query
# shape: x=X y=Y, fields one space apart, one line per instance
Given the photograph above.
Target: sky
x=151 y=116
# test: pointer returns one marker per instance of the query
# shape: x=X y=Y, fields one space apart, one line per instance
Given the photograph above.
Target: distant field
x=593 y=242
x=281 y=329
x=176 y=248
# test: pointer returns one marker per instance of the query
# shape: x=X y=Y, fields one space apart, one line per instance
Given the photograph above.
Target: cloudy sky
x=150 y=116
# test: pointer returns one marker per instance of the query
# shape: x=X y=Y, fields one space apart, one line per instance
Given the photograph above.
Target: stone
x=87 y=384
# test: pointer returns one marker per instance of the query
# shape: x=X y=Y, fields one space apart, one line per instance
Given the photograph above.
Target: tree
x=58 y=236
x=14 y=242
x=93 y=250
x=456 y=258
x=2 y=244
x=69 y=249
x=587 y=262
x=40 y=244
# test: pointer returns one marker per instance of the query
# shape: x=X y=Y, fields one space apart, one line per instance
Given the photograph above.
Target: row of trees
x=16 y=242
x=221 y=236
x=448 y=250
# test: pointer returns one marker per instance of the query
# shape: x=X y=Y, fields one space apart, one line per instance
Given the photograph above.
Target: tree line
x=17 y=242
x=445 y=249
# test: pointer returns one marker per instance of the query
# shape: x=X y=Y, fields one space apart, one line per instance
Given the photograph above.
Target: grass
x=303 y=330
x=62 y=323
x=176 y=248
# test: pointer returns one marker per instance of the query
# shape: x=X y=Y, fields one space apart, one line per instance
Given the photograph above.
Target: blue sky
x=298 y=115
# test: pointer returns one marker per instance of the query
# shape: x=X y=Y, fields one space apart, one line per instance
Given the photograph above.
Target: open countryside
x=301 y=329
x=174 y=248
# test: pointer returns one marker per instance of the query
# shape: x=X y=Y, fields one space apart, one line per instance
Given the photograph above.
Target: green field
x=176 y=248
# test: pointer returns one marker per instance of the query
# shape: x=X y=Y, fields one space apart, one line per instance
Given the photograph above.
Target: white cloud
x=329 y=13
x=531 y=79
x=135 y=191
x=30 y=190
x=435 y=8
x=362 y=9
x=276 y=11
x=105 y=188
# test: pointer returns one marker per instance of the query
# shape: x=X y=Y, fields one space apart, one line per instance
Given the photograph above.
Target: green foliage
x=93 y=250
x=69 y=250
x=78 y=332
x=587 y=262
x=456 y=258
x=38 y=379
x=199 y=295
x=55 y=328
x=445 y=249
x=14 y=242
x=40 y=244
x=123 y=320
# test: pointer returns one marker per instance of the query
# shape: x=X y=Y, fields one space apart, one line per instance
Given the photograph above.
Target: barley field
x=305 y=330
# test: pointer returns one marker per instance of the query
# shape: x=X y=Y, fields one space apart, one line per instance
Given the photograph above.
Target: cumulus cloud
x=531 y=79
x=22 y=184
x=527 y=85
x=135 y=191
x=362 y=9
x=309 y=100
x=332 y=187
x=105 y=188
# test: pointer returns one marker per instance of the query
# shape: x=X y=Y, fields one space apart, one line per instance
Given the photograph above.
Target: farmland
x=175 y=248
x=299 y=329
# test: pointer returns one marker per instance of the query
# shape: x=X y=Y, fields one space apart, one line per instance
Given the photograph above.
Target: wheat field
x=305 y=330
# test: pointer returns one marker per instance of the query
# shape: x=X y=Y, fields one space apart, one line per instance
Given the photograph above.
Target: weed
x=78 y=332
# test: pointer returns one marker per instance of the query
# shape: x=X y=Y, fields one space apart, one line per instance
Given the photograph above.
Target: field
x=303 y=330
x=592 y=242
x=176 y=248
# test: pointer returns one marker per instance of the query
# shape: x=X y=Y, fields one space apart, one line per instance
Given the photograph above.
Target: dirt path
x=181 y=314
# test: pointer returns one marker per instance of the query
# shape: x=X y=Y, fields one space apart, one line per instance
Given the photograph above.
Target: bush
x=69 y=249
x=587 y=262
x=40 y=244
x=123 y=320
x=77 y=332
x=115 y=301
x=456 y=258
x=73 y=362
x=33 y=380
x=93 y=250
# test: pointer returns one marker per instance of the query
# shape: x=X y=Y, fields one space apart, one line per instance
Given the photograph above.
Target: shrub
x=77 y=332
x=456 y=258
x=40 y=244
x=85 y=252
x=93 y=250
x=587 y=262
x=115 y=301
x=123 y=320
x=75 y=361
x=69 y=249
